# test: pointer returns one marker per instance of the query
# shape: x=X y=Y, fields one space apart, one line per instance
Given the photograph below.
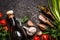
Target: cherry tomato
x=3 y=22
x=6 y=28
x=36 y=38
x=1 y=15
x=45 y=36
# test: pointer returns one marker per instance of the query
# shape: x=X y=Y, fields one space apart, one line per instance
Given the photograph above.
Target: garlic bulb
x=31 y=30
x=10 y=13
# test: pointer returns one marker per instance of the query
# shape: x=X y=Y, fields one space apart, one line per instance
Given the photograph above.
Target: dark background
x=21 y=7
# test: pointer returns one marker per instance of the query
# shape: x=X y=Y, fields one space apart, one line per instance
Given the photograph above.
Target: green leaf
x=24 y=19
x=59 y=5
x=1 y=28
x=45 y=32
x=52 y=10
x=53 y=35
x=4 y=38
x=55 y=9
x=58 y=34
x=58 y=26
x=53 y=31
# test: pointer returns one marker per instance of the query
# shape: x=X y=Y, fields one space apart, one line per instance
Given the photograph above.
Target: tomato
x=1 y=15
x=6 y=28
x=36 y=38
x=45 y=36
x=3 y=22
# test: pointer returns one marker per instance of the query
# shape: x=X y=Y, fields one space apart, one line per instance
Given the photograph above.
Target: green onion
x=55 y=9
x=59 y=5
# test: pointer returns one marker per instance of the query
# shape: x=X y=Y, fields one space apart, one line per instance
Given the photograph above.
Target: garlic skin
x=10 y=12
x=31 y=30
x=39 y=33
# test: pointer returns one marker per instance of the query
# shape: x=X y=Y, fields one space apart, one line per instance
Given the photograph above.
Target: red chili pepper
x=1 y=15
x=36 y=38
x=3 y=22
x=6 y=28
x=45 y=36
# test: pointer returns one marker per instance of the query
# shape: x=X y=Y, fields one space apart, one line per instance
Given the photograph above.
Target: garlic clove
x=30 y=23
x=32 y=30
x=39 y=33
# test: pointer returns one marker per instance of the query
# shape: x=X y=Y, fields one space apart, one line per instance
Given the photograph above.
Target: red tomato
x=3 y=22
x=36 y=38
x=45 y=36
x=6 y=28
x=1 y=15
